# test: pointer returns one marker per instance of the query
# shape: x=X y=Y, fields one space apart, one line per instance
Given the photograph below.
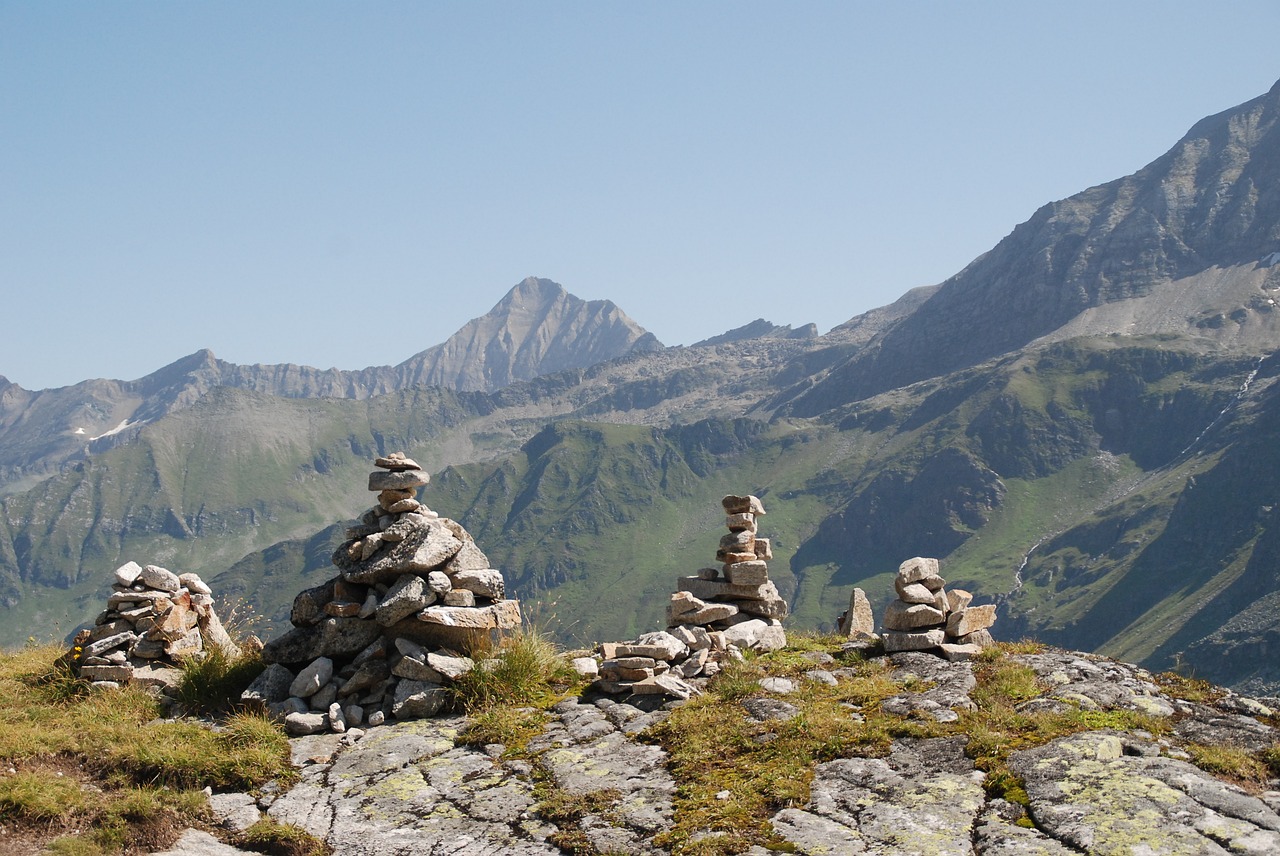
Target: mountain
x=1182 y=246
x=1081 y=425
x=538 y=328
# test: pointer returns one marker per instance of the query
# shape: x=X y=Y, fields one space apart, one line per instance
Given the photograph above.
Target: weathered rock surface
x=409 y=787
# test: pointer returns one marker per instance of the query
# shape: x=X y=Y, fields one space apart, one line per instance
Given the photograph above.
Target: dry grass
x=99 y=761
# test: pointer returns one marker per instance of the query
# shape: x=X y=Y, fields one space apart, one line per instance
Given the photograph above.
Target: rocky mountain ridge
x=538 y=328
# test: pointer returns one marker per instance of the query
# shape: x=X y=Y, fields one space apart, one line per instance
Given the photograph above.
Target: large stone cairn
x=927 y=617
x=713 y=615
x=154 y=620
x=414 y=598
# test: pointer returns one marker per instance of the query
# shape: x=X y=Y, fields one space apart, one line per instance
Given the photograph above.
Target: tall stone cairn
x=154 y=620
x=714 y=615
x=927 y=617
x=414 y=597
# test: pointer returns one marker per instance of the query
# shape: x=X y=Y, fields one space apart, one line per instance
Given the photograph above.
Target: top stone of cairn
x=396 y=462
x=396 y=472
x=742 y=505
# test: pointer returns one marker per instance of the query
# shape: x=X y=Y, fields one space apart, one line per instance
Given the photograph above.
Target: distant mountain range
x=1082 y=424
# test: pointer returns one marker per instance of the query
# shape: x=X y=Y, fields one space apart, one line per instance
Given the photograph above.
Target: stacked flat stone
x=737 y=597
x=714 y=615
x=413 y=598
x=928 y=617
x=154 y=620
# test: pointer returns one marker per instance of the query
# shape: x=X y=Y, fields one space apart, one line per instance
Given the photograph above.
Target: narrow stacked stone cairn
x=154 y=620
x=384 y=638
x=927 y=617
x=714 y=615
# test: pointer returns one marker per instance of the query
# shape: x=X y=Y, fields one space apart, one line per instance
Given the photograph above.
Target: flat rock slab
x=406 y=788
x=585 y=752
x=924 y=798
x=1087 y=792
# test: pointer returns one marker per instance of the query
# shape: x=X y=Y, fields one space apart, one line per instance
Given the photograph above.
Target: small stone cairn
x=713 y=615
x=384 y=638
x=154 y=620
x=927 y=617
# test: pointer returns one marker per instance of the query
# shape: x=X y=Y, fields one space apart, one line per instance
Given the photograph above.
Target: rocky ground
x=412 y=788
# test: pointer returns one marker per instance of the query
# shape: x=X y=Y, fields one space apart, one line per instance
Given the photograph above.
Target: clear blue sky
x=346 y=184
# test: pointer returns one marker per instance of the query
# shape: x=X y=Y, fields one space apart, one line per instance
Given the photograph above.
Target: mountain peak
x=537 y=328
x=535 y=287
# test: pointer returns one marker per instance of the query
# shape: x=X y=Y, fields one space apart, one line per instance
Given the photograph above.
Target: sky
x=344 y=185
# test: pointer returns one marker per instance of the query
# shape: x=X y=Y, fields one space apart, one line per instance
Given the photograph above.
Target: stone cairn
x=384 y=638
x=154 y=620
x=713 y=615
x=927 y=617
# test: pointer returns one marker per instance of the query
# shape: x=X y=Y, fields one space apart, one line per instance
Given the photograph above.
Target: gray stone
x=459 y=597
x=344 y=637
x=369 y=674
x=913 y=592
x=781 y=686
x=747 y=573
x=127 y=574
x=449 y=666
x=742 y=505
x=958 y=599
x=308 y=605
x=503 y=615
x=917 y=569
x=416 y=669
x=297 y=724
x=919 y=641
x=747 y=634
x=659 y=645
x=194 y=842
x=315 y=675
x=696 y=638
x=709 y=613
x=235 y=811
x=398 y=480
x=407 y=596
x=102 y=646
x=859 y=619
x=270 y=687
x=323 y=697
x=161 y=579
x=971 y=620
x=119 y=674
x=193 y=583
x=910 y=616
x=418 y=699
x=484 y=582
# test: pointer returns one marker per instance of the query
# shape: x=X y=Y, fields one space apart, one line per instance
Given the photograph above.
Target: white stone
x=128 y=573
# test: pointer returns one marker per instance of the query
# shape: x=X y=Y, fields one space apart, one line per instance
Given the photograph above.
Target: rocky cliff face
x=1161 y=250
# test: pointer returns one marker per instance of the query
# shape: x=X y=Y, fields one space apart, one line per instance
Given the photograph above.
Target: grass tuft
x=527 y=669
x=212 y=684
x=281 y=839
